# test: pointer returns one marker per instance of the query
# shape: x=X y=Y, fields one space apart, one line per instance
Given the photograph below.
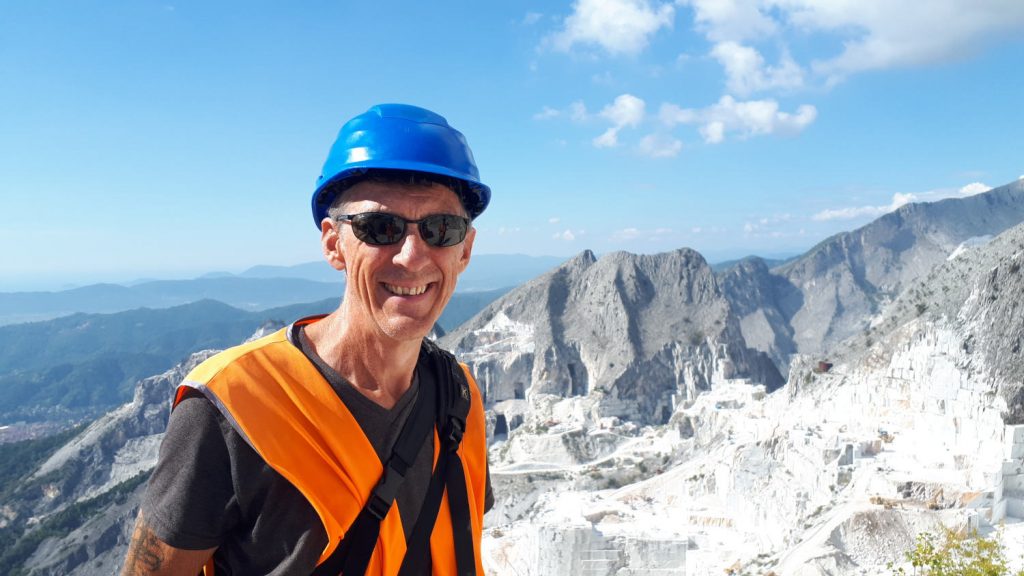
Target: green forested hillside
x=88 y=362
x=83 y=364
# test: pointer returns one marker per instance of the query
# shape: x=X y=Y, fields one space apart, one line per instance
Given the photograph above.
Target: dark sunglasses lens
x=443 y=230
x=378 y=228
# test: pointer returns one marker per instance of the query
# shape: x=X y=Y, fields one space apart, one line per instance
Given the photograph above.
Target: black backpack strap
x=462 y=526
x=353 y=554
x=453 y=402
x=417 y=554
x=452 y=409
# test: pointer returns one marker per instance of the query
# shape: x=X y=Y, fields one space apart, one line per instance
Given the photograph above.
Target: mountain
x=634 y=427
x=978 y=290
x=485 y=272
x=917 y=427
x=258 y=288
x=72 y=367
x=833 y=291
x=75 y=366
x=317 y=271
x=245 y=293
x=644 y=331
x=73 y=513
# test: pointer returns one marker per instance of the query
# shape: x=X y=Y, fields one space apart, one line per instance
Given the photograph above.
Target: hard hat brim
x=474 y=195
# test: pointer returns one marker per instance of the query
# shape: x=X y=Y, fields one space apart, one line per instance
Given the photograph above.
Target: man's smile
x=405 y=290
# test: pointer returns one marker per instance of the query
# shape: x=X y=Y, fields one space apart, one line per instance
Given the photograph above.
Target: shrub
x=952 y=554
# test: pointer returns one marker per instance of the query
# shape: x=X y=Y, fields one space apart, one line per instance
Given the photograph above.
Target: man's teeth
x=403 y=291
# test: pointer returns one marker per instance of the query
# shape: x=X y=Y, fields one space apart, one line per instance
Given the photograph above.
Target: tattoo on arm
x=145 y=553
x=148 y=555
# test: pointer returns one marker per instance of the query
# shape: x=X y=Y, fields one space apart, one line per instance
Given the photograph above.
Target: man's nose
x=412 y=249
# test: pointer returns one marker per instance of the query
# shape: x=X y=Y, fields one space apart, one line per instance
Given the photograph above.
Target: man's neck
x=381 y=370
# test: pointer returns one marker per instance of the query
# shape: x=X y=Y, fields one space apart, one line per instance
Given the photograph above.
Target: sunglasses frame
x=364 y=234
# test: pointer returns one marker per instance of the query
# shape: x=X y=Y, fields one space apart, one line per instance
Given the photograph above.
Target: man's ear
x=330 y=243
x=467 y=249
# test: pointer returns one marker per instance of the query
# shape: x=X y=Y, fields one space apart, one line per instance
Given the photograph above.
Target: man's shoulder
x=236 y=357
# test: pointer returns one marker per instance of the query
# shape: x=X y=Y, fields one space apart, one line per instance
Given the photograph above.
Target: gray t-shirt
x=211 y=489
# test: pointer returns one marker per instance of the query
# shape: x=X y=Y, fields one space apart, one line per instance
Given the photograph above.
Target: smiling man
x=345 y=443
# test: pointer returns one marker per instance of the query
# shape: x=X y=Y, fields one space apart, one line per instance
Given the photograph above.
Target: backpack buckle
x=454 y=434
x=384 y=494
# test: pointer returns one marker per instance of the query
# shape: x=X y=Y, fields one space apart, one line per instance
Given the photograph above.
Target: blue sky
x=166 y=139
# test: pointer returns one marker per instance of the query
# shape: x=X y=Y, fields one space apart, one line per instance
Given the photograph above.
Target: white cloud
x=617 y=26
x=565 y=236
x=532 y=18
x=898 y=200
x=875 y=34
x=626 y=234
x=713 y=132
x=554 y=220
x=659 y=146
x=974 y=188
x=670 y=115
x=578 y=111
x=774 y=226
x=745 y=119
x=625 y=110
x=649 y=235
x=899 y=34
x=608 y=139
x=731 y=20
x=604 y=78
x=546 y=113
x=746 y=72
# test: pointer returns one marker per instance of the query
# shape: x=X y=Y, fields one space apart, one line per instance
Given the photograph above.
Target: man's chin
x=407 y=329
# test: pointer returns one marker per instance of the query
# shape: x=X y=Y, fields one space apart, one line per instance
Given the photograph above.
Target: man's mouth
x=406 y=290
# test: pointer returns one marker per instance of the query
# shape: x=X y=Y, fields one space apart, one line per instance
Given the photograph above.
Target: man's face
x=398 y=291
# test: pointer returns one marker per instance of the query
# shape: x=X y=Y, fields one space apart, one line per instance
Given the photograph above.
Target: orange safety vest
x=271 y=393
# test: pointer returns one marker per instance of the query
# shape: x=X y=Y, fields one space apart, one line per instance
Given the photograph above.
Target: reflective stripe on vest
x=275 y=398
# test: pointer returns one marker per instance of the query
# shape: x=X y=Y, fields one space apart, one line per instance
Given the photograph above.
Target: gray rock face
x=978 y=289
x=102 y=473
x=753 y=292
x=99 y=476
x=639 y=331
x=834 y=290
x=994 y=317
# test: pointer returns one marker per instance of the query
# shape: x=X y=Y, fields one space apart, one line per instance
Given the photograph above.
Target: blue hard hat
x=400 y=137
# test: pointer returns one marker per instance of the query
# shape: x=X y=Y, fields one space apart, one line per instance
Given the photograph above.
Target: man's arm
x=150 y=556
x=189 y=504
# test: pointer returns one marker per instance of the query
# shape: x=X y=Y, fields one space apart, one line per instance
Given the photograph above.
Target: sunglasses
x=384 y=229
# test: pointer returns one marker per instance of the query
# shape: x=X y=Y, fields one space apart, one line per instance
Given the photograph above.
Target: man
x=314 y=450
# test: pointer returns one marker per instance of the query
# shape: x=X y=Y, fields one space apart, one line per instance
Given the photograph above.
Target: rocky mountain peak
x=834 y=291
x=639 y=331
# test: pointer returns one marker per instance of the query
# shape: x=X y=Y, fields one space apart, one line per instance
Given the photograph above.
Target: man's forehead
x=400 y=193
